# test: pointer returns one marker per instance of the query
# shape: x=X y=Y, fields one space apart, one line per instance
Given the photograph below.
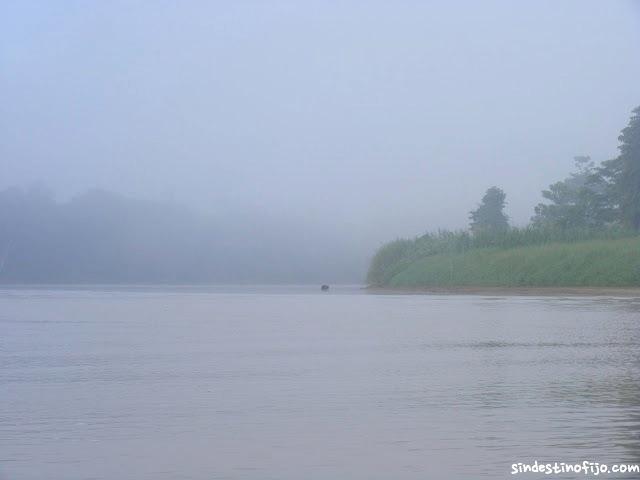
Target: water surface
x=290 y=383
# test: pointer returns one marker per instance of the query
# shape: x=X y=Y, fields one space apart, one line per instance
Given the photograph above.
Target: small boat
x=324 y=288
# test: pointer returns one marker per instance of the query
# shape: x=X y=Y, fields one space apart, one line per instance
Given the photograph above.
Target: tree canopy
x=489 y=217
x=598 y=196
x=578 y=201
x=622 y=174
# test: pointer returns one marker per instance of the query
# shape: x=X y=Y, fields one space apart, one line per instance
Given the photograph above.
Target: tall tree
x=623 y=173
x=489 y=217
x=578 y=201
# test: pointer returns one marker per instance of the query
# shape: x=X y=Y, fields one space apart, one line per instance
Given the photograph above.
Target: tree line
x=102 y=237
x=595 y=202
x=594 y=196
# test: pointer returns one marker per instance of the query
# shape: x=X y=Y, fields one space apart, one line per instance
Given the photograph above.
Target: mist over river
x=165 y=383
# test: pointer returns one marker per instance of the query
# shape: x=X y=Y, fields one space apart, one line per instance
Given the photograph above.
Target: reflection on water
x=289 y=383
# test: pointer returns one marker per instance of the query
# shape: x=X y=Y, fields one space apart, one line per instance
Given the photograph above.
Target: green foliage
x=489 y=217
x=622 y=174
x=579 y=201
x=592 y=263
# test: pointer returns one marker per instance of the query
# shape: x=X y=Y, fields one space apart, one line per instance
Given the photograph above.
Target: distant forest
x=102 y=237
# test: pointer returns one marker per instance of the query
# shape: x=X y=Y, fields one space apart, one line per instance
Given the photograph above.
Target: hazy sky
x=376 y=118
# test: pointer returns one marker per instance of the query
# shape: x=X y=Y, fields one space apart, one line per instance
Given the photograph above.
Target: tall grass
x=610 y=263
x=394 y=257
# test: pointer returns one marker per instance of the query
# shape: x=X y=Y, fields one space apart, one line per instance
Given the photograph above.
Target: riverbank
x=585 y=267
x=627 y=292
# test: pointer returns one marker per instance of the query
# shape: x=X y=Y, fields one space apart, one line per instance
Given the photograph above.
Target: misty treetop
x=490 y=216
x=579 y=201
x=593 y=196
x=602 y=195
x=622 y=175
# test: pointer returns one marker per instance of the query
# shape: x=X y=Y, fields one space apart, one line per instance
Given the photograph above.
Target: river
x=263 y=383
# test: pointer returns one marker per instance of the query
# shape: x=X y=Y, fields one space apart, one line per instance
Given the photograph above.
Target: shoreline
x=510 y=291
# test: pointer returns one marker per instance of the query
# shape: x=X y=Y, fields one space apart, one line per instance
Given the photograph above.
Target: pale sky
x=377 y=119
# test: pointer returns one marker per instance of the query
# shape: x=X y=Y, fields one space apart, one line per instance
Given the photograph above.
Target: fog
x=336 y=125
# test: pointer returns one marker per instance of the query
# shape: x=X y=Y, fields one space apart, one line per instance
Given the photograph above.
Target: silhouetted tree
x=579 y=201
x=489 y=217
x=623 y=174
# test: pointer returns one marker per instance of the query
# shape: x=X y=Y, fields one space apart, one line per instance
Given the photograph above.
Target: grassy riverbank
x=613 y=262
